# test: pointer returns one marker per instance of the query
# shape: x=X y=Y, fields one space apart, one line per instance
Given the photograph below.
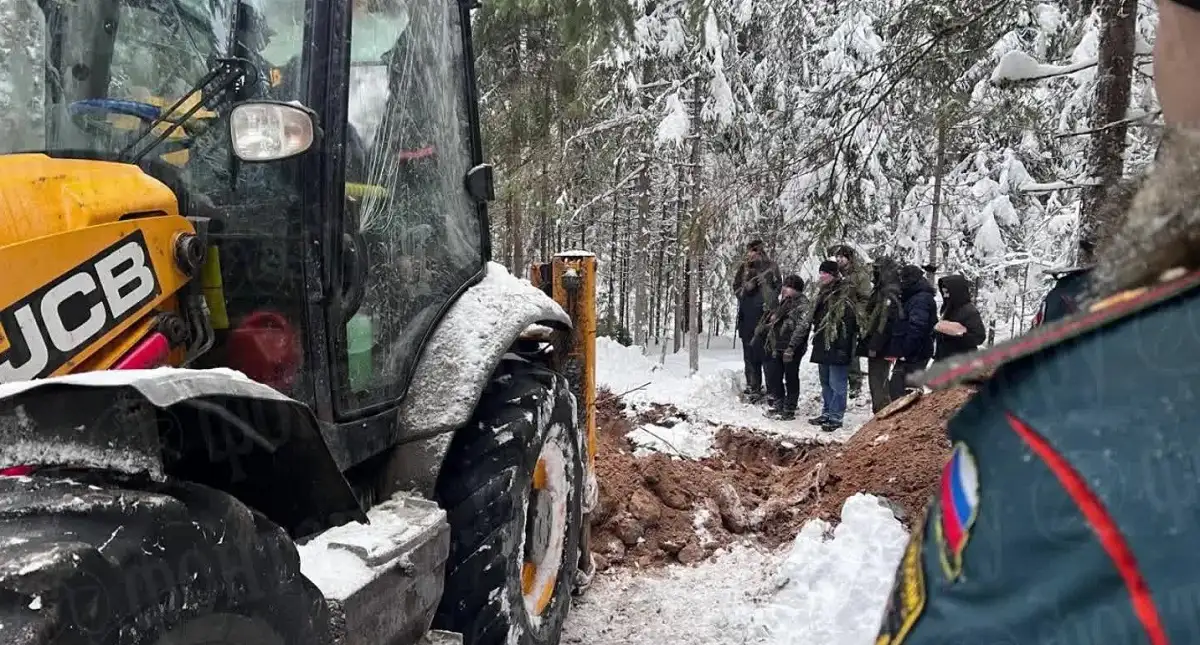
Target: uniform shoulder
x=979 y=366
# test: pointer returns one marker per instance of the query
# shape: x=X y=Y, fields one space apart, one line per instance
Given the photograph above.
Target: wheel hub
x=545 y=528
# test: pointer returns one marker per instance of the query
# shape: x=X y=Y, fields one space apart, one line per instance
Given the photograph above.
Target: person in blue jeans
x=834 y=331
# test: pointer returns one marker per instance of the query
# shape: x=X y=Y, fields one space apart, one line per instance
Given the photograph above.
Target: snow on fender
x=473 y=337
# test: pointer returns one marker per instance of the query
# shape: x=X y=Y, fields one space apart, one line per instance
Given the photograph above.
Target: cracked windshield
x=564 y=322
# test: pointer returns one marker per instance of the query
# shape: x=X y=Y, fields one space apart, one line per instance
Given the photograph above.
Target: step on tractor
x=260 y=383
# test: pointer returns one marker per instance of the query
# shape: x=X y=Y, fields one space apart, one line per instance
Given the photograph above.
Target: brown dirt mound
x=900 y=457
x=659 y=509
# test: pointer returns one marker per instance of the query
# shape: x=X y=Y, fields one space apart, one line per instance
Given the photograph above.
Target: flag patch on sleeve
x=958 y=504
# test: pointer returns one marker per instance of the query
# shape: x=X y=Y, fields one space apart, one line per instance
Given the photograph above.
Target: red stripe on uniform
x=1105 y=528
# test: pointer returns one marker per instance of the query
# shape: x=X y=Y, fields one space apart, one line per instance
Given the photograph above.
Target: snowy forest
x=662 y=135
x=981 y=137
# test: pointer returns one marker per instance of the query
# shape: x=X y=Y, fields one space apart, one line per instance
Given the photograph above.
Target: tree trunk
x=624 y=228
x=642 y=273
x=518 y=237
x=613 y=248
x=1106 y=150
x=680 y=262
x=660 y=278
x=700 y=282
x=939 y=166
x=696 y=238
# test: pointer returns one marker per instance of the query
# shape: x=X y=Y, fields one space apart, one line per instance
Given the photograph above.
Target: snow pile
x=687 y=440
x=834 y=590
x=823 y=591
x=711 y=394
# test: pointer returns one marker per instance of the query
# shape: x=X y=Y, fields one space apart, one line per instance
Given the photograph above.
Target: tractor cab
x=331 y=149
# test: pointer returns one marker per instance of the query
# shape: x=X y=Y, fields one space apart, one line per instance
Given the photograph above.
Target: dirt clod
x=729 y=504
x=691 y=553
x=628 y=530
x=657 y=509
x=645 y=507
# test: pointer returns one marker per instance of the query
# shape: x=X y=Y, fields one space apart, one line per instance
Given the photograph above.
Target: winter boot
x=817 y=421
x=772 y=402
x=787 y=415
x=831 y=426
x=754 y=396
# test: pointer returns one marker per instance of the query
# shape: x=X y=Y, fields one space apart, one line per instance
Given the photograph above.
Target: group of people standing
x=887 y=314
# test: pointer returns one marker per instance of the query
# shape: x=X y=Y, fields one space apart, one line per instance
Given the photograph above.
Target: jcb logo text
x=54 y=323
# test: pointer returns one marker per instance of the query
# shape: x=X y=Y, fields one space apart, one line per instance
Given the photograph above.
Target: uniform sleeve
x=882 y=333
x=799 y=338
x=864 y=285
x=760 y=330
x=917 y=325
x=1015 y=525
x=851 y=323
x=737 y=277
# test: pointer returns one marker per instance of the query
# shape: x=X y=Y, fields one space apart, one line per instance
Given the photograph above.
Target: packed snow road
x=828 y=587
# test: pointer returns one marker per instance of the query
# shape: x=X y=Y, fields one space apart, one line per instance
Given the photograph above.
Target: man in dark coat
x=834 y=332
x=853 y=269
x=914 y=336
x=784 y=335
x=756 y=286
x=883 y=312
x=961 y=328
x=1067 y=513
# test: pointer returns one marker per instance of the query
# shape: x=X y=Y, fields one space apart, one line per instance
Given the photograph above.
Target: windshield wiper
x=226 y=78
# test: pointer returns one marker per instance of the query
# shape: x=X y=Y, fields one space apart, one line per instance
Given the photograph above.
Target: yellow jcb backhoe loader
x=259 y=382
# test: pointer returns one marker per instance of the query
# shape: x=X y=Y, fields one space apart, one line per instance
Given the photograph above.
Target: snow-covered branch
x=1133 y=119
x=1018 y=67
x=1058 y=185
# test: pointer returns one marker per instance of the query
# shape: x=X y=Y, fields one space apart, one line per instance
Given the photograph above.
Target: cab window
x=406 y=206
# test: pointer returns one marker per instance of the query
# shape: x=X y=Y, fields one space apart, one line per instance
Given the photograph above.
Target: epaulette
x=980 y=365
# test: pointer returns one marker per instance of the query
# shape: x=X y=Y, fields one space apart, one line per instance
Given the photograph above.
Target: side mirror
x=271 y=130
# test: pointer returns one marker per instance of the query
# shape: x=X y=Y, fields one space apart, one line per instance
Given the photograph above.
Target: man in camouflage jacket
x=783 y=333
x=1068 y=511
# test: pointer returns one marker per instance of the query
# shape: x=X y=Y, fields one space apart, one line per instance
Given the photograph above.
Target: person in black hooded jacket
x=961 y=328
x=882 y=312
x=913 y=337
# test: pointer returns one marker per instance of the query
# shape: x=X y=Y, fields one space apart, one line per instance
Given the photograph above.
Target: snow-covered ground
x=712 y=393
x=828 y=588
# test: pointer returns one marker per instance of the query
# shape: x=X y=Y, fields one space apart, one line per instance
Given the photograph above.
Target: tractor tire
x=84 y=562
x=512 y=487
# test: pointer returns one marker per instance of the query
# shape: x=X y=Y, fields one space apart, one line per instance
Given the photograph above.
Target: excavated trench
x=659 y=509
